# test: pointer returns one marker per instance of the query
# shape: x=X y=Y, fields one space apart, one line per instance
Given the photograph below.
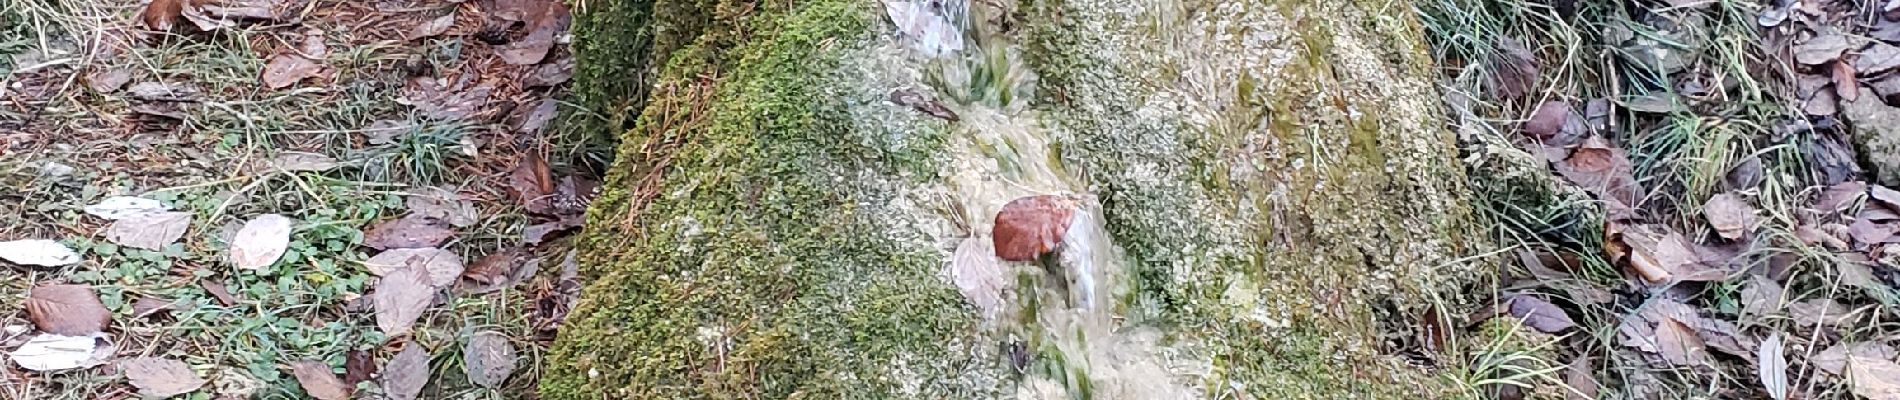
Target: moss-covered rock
x=1274 y=186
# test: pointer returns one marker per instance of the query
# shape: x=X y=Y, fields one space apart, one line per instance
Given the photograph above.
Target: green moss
x=754 y=274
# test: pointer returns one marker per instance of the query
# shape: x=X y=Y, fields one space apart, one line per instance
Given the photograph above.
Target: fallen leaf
x=286 y=69
x=109 y=80
x=1858 y=275
x=1816 y=237
x=1602 y=170
x=241 y=9
x=1826 y=312
x=533 y=119
x=488 y=359
x=573 y=194
x=1556 y=123
x=149 y=306
x=1679 y=345
x=1846 y=84
x=1865 y=230
x=70 y=310
x=313 y=45
x=1838 y=197
x=1661 y=255
x=319 y=382
x=405 y=375
x=1877 y=58
x=980 y=276
x=53 y=352
x=162 y=109
x=516 y=10
x=924 y=104
x=1745 y=175
x=150 y=231
x=532 y=183
x=161 y=14
x=407 y=233
x=550 y=74
x=1773 y=368
x=1815 y=100
x=1729 y=215
x=158 y=377
x=295 y=161
x=261 y=241
x=358 y=365
x=1822 y=49
x=443 y=266
x=1834 y=359
x=1578 y=375
x=1515 y=68
x=45 y=253
x=495 y=268
x=1031 y=226
x=1655 y=103
x=116 y=207
x=1885 y=195
x=433 y=27
x=400 y=298
x=1874 y=379
x=156 y=91
x=537 y=233
x=442 y=204
x=1761 y=296
x=1539 y=314
x=218 y=291
x=532 y=48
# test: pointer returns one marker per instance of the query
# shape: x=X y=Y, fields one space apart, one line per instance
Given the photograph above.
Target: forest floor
x=283 y=198
x=1728 y=224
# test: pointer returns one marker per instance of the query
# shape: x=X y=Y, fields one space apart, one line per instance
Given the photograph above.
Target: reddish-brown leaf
x=1539 y=314
x=532 y=183
x=495 y=268
x=218 y=290
x=1516 y=68
x=407 y=233
x=286 y=69
x=1029 y=227
x=161 y=14
x=1602 y=170
x=1867 y=231
x=319 y=382
x=1680 y=345
x=1845 y=84
x=358 y=366
x=1556 y=123
x=542 y=30
x=69 y=310
x=148 y=306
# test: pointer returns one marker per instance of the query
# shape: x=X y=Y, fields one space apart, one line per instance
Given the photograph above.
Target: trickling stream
x=1063 y=309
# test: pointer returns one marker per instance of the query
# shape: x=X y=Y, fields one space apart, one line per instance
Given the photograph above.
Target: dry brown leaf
x=400 y=298
x=158 y=377
x=488 y=359
x=924 y=104
x=1826 y=312
x=1745 y=175
x=537 y=233
x=358 y=365
x=1761 y=296
x=443 y=266
x=406 y=374
x=1515 y=68
x=532 y=183
x=1874 y=379
x=1834 y=359
x=433 y=27
x=532 y=48
x=1539 y=314
x=286 y=69
x=1858 y=274
x=149 y=306
x=537 y=117
x=1822 y=49
x=443 y=204
x=160 y=15
x=261 y=241
x=1846 y=85
x=1815 y=236
x=1867 y=231
x=1579 y=375
x=550 y=74
x=319 y=382
x=1885 y=195
x=1602 y=170
x=68 y=310
x=407 y=233
x=1556 y=123
x=218 y=291
x=150 y=231
x=1658 y=254
x=296 y=161
x=496 y=268
x=1679 y=345
x=1729 y=215
x=1029 y=227
x=1877 y=58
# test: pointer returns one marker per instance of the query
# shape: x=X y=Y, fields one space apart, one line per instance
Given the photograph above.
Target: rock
x=1876 y=135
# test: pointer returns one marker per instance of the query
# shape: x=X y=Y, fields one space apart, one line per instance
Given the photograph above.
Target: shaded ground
x=347 y=117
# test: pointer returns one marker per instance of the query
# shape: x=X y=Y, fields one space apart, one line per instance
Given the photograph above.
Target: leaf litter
x=488 y=359
x=400 y=298
x=406 y=373
x=150 y=231
x=38 y=252
x=159 y=377
x=70 y=310
x=319 y=382
x=261 y=241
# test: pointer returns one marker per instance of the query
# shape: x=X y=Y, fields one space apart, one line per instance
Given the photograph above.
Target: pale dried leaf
x=40 y=252
x=541 y=35
x=1822 y=49
x=294 y=161
x=443 y=266
x=550 y=74
x=71 y=310
x=109 y=80
x=286 y=69
x=442 y=204
x=980 y=276
x=488 y=359
x=158 y=377
x=1834 y=359
x=1761 y=296
x=406 y=374
x=1579 y=375
x=1884 y=195
x=1773 y=367
x=408 y=232
x=150 y=231
x=533 y=119
x=358 y=366
x=261 y=241
x=116 y=207
x=52 y=352
x=1680 y=345
x=1878 y=57
x=1729 y=215
x=1826 y=312
x=318 y=381
x=400 y=298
